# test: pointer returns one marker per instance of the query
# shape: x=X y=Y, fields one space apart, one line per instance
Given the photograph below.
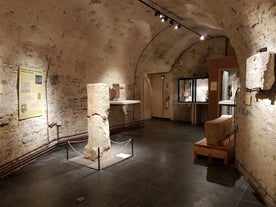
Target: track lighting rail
x=177 y=24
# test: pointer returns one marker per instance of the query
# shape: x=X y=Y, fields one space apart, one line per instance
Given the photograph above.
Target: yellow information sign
x=30 y=93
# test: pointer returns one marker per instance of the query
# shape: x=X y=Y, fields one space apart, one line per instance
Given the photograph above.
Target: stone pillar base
x=92 y=153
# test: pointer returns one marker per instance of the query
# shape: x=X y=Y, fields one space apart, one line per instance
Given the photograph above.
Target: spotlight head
x=202 y=37
x=177 y=26
x=156 y=13
x=171 y=22
x=165 y=18
x=161 y=15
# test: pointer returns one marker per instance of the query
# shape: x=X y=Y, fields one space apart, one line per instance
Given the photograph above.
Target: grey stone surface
x=260 y=71
x=218 y=129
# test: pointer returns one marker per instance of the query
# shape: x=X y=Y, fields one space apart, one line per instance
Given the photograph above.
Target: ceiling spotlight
x=164 y=19
x=156 y=13
x=202 y=37
x=177 y=26
x=173 y=22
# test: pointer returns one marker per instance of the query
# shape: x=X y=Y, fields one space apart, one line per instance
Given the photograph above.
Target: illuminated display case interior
x=193 y=90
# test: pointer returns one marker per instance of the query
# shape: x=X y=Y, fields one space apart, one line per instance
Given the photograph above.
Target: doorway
x=160 y=95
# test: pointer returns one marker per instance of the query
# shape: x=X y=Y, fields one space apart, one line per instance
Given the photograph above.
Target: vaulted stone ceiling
x=103 y=31
x=166 y=43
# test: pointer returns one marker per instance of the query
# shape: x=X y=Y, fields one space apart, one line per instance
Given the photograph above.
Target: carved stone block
x=218 y=129
x=98 y=125
x=260 y=71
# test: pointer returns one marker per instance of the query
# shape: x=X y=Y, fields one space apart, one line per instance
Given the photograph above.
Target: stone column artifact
x=98 y=126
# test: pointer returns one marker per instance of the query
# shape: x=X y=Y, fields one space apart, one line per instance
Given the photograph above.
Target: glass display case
x=193 y=90
x=230 y=85
x=185 y=90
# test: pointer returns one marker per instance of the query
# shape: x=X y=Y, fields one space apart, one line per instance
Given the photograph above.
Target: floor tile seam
x=162 y=175
x=133 y=158
x=135 y=181
x=142 y=170
x=47 y=197
x=155 y=188
x=172 y=193
x=140 y=161
x=124 y=179
x=60 y=190
x=208 y=190
x=107 y=188
x=73 y=190
x=58 y=195
x=146 y=185
x=137 y=192
x=10 y=185
x=132 y=195
x=239 y=200
x=253 y=202
x=164 y=198
x=26 y=186
x=80 y=182
x=114 y=174
x=107 y=168
x=152 y=186
x=76 y=168
x=149 y=184
x=124 y=200
x=145 y=162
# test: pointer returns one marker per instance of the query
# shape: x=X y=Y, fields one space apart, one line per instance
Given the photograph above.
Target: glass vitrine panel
x=201 y=90
x=185 y=90
x=193 y=90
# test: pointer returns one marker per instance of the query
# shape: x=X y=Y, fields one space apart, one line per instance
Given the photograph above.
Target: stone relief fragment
x=260 y=71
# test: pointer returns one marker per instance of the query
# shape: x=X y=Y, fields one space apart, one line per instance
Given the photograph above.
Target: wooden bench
x=225 y=151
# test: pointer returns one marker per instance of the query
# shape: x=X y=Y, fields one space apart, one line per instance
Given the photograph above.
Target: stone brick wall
x=73 y=44
x=16 y=138
x=250 y=25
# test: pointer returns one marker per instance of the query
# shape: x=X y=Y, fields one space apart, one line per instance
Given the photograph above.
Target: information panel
x=30 y=93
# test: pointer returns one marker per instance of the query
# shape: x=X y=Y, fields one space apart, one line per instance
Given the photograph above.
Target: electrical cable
x=46 y=97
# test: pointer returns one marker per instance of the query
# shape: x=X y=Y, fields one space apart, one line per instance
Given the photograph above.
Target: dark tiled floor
x=161 y=173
